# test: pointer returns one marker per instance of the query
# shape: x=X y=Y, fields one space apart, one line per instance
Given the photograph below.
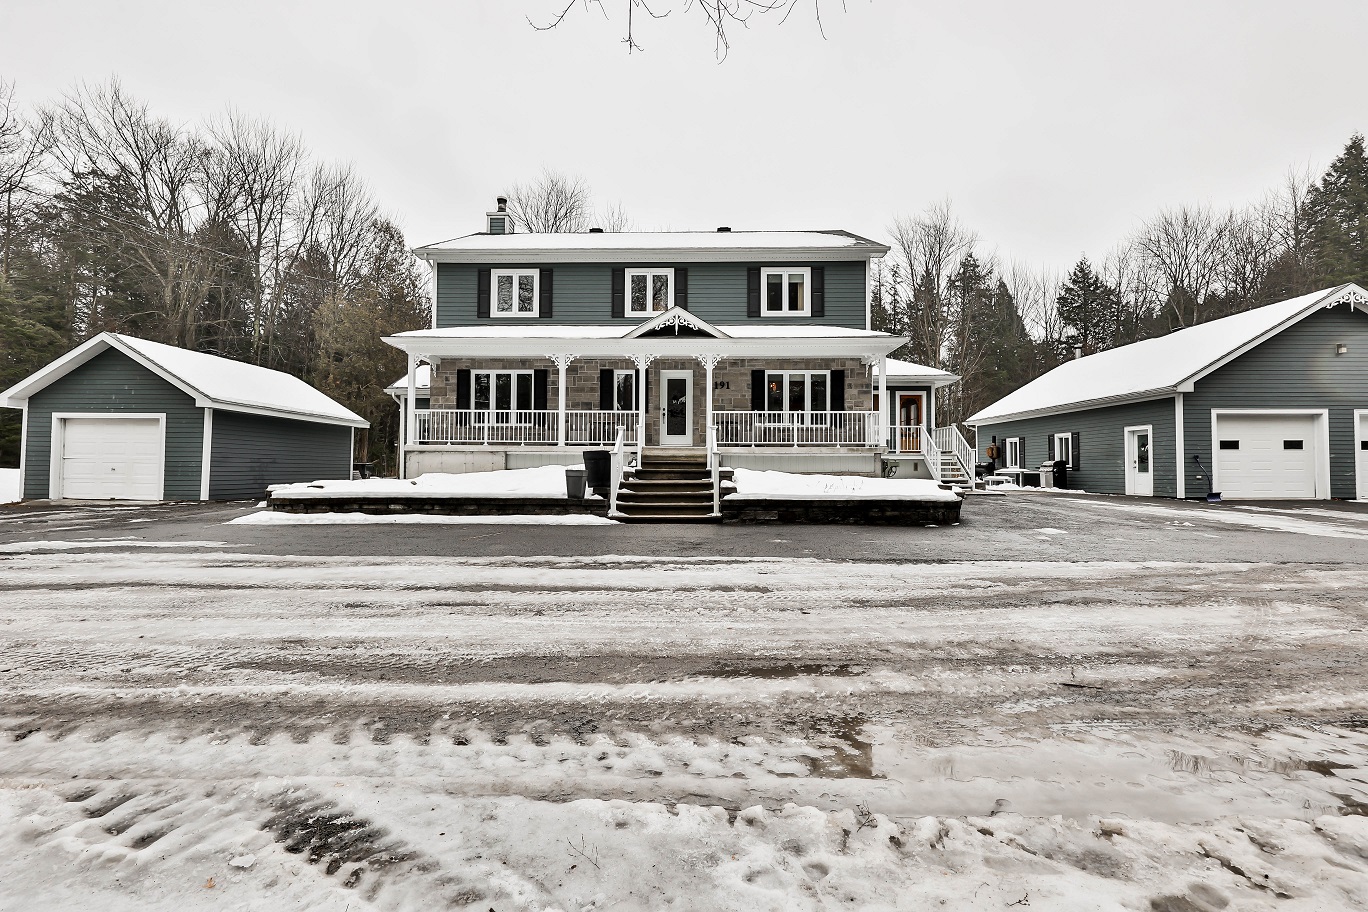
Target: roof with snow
x=910 y=370
x=213 y=381
x=422 y=380
x=674 y=245
x=1166 y=365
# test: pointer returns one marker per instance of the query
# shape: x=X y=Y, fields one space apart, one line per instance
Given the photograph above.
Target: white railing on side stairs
x=950 y=439
x=715 y=469
x=615 y=470
x=933 y=454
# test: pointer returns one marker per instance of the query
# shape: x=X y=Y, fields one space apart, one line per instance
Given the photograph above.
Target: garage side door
x=111 y=458
x=1266 y=456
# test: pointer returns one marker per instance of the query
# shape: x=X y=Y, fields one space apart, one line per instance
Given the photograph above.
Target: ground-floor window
x=797 y=391
x=624 y=390
x=1063 y=448
x=502 y=393
x=1013 y=456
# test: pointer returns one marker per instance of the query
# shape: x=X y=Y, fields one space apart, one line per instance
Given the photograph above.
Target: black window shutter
x=836 y=391
x=481 y=295
x=819 y=291
x=544 y=283
x=1050 y=449
x=540 y=377
x=753 y=292
x=681 y=279
x=1073 y=451
x=463 y=388
x=607 y=389
x=758 y=390
x=619 y=295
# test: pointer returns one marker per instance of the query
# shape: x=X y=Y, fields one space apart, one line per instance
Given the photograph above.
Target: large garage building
x=1267 y=404
x=123 y=418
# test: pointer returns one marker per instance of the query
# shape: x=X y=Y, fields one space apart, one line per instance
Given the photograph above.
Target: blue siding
x=1101 y=443
x=1297 y=368
x=717 y=293
x=250 y=452
x=113 y=382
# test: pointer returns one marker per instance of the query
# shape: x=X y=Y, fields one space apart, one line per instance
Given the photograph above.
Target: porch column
x=642 y=362
x=562 y=362
x=406 y=438
x=708 y=362
x=883 y=400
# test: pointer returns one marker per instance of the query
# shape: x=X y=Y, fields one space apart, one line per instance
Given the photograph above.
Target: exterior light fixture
x=1341 y=349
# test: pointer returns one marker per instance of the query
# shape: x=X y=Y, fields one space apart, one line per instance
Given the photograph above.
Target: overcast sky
x=1052 y=126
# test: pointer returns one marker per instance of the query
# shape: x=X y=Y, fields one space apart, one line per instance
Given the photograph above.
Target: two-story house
x=754 y=343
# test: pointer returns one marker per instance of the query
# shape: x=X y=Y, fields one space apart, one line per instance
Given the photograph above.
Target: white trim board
x=1180 y=448
x=1322 y=432
x=206 y=453
x=1360 y=457
x=57 y=440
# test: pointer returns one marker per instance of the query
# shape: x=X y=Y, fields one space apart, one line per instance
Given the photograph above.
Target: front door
x=676 y=408
x=1361 y=450
x=1140 y=461
x=909 y=422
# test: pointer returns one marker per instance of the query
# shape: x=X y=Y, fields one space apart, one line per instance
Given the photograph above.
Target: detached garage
x=120 y=418
x=1270 y=404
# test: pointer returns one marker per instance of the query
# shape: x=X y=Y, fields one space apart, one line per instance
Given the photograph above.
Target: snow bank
x=543 y=481
x=9 y=486
x=273 y=518
x=756 y=485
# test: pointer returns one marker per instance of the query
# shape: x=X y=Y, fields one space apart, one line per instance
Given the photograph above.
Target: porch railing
x=520 y=426
x=952 y=441
x=797 y=428
x=906 y=439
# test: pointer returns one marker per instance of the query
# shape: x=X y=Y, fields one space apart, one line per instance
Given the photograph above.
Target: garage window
x=1230 y=444
x=1292 y=444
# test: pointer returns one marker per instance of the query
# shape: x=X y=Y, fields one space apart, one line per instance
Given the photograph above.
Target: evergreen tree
x=1089 y=310
x=1337 y=212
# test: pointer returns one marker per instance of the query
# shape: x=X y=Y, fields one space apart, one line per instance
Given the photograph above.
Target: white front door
x=1140 y=461
x=1361 y=452
x=111 y=458
x=1268 y=456
x=676 y=408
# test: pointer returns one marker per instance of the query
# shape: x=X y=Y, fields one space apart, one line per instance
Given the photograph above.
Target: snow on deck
x=753 y=484
x=542 y=481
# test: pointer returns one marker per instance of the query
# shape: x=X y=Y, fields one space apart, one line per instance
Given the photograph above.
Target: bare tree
x=721 y=15
x=926 y=251
x=1184 y=251
x=614 y=218
x=554 y=202
x=24 y=142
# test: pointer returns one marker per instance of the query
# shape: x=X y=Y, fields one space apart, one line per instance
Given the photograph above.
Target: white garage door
x=1266 y=456
x=106 y=458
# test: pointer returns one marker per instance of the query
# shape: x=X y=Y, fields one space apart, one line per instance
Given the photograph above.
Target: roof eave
x=653 y=255
x=1080 y=406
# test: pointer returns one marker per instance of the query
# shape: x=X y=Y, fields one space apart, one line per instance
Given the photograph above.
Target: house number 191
x=721 y=384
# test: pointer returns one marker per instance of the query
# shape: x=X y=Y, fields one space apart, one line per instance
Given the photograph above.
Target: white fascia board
x=248 y=409
x=653 y=255
x=1358 y=299
x=831 y=347
x=1145 y=396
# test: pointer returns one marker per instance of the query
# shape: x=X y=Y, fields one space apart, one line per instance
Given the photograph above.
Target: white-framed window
x=797 y=392
x=514 y=293
x=1063 y=448
x=502 y=395
x=1013 y=457
x=624 y=390
x=649 y=291
x=786 y=292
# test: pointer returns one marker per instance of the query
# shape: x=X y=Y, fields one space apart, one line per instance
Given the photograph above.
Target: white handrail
x=933 y=453
x=615 y=470
x=715 y=468
x=950 y=438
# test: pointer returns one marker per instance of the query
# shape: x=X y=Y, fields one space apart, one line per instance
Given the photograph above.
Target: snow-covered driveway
x=205 y=725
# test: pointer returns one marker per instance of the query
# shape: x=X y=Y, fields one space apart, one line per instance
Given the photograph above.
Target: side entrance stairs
x=670 y=486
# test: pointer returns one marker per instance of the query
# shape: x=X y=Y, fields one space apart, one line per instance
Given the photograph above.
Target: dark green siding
x=113 y=382
x=249 y=452
x=1101 y=443
x=1297 y=368
x=717 y=293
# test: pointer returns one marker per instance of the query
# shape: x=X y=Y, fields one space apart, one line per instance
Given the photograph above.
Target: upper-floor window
x=785 y=292
x=649 y=291
x=515 y=293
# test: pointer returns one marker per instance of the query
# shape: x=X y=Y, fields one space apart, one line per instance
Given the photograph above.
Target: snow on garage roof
x=213 y=381
x=629 y=245
x=1165 y=365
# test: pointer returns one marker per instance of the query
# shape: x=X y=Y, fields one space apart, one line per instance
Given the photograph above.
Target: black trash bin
x=1054 y=474
x=598 y=465
x=574 y=484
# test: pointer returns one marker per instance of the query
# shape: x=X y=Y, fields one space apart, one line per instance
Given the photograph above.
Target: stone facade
x=731 y=382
